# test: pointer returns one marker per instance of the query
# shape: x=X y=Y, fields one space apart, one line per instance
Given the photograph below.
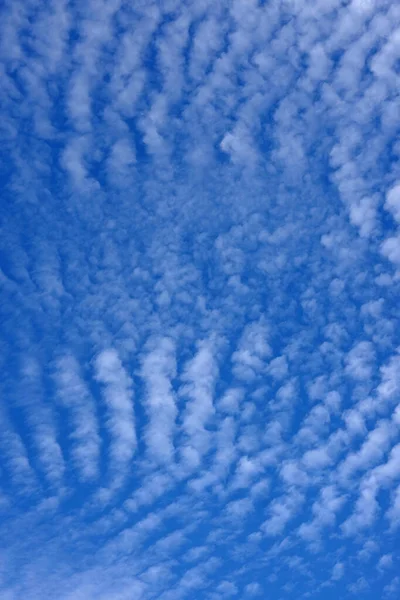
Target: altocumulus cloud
x=199 y=267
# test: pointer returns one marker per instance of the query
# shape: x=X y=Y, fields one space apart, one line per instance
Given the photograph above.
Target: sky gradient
x=199 y=317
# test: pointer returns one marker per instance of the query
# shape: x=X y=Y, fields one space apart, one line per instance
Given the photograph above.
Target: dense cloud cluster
x=200 y=266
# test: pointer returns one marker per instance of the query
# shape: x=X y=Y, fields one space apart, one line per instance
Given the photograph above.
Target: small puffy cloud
x=392 y=203
x=385 y=562
x=253 y=589
x=337 y=571
x=391 y=590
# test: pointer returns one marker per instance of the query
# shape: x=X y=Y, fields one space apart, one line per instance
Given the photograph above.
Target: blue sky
x=200 y=274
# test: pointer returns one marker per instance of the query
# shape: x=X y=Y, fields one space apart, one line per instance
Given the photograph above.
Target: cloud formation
x=199 y=264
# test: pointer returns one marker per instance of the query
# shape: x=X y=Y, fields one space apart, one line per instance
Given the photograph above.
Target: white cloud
x=118 y=396
x=372 y=450
x=198 y=379
x=385 y=562
x=204 y=198
x=393 y=514
x=392 y=588
x=158 y=369
x=253 y=589
x=324 y=511
x=391 y=249
x=282 y=510
x=392 y=203
x=253 y=348
x=338 y=571
x=359 y=361
x=74 y=395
